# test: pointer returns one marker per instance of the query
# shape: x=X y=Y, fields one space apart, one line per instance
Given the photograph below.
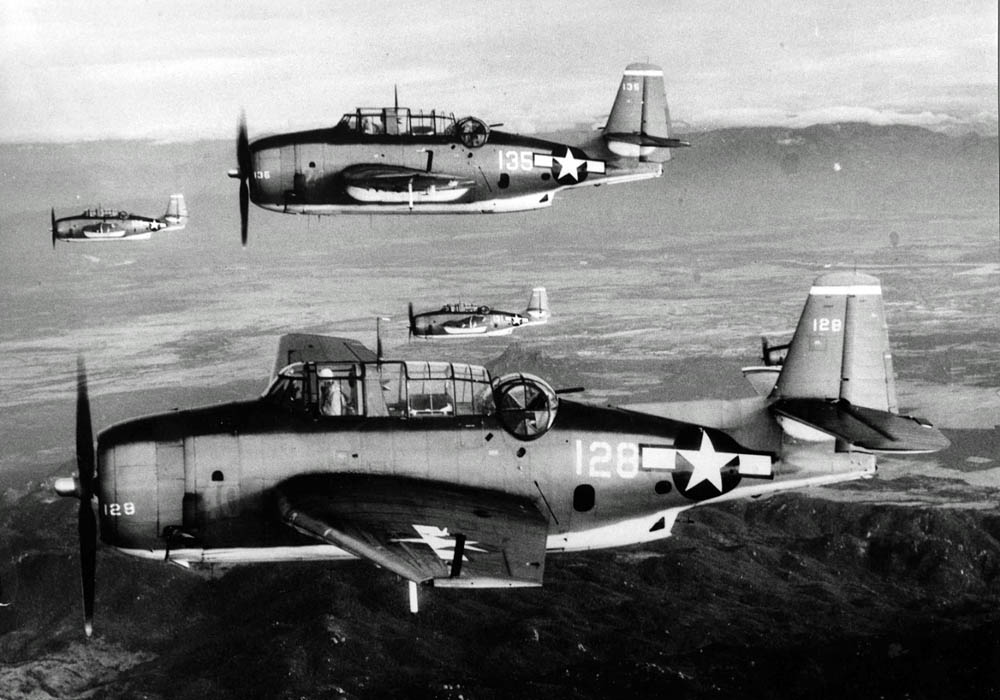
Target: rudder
x=840 y=349
x=177 y=212
x=639 y=123
x=538 y=305
x=837 y=380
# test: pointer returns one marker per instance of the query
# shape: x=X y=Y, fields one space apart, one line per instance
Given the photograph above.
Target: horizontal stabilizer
x=647 y=140
x=869 y=429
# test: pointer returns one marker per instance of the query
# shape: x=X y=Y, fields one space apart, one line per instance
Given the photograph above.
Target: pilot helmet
x=325 y=373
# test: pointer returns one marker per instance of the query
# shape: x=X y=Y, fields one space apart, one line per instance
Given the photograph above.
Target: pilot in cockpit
x=331 y=399
x=371 y=126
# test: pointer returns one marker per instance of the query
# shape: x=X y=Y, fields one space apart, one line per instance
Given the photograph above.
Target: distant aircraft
x=465 y=320
x=446 y=476
x=102 y=224
x=391 y=160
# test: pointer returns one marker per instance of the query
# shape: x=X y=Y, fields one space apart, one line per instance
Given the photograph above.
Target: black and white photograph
x=474 y=351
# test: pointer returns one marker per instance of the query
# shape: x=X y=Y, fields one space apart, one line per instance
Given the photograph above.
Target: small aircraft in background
x=102 y=224
x=446 y=476
x=469 y=320
x=391 y=160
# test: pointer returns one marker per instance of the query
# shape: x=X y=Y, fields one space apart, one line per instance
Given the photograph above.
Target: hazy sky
x=183 y=69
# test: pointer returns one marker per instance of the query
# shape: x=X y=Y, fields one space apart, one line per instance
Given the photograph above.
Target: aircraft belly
x=411 y=197
x=497 y=205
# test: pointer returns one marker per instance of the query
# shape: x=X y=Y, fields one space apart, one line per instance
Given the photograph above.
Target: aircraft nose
x=127 y=491
x=272 y=175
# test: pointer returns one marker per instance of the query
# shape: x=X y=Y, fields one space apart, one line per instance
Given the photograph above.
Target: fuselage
x=462 y=320
x=420 y=163
x=109 y=225
x=200 y=483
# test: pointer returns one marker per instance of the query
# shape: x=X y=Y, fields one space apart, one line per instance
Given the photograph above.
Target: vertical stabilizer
x=639 y=124
x=177 y=213
x=836 y=383
x=841 y=345
x=538 y=306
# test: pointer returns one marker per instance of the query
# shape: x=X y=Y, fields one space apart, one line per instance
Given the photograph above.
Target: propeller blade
x=244 y=165
x=244 y=211
x=86 y=522
x=243 y=147
x=53 y=228
x=87 y=530
x=413 y=321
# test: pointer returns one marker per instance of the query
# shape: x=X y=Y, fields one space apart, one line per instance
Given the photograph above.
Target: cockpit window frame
x=396 y=122
x=401 y=389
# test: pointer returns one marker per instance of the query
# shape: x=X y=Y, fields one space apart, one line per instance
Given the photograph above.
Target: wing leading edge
x=424 y=531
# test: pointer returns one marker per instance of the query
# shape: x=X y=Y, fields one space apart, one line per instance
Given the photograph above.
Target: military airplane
x=449 y=477
x=469 y=320
x=391 y=160
x=101 y=224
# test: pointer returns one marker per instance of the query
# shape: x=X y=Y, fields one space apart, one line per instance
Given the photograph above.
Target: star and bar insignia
x=439 y=540
x=572 y=165
x=708 y=471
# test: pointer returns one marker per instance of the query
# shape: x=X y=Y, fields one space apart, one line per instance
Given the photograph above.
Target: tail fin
x=177 y=213
x=538 y=306
x=639 y=124
x=840 y=349
x=837 y=377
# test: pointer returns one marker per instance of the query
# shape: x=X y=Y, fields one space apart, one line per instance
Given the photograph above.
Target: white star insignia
x=439 y=540
x=707 y=463
x=569 y=165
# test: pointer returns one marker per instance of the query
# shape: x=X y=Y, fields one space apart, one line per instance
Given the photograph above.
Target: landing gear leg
x=413 y=597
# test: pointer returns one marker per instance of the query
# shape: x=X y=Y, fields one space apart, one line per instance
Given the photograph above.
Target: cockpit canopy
x=398 y=121
x=103 y=212
x=401 y=389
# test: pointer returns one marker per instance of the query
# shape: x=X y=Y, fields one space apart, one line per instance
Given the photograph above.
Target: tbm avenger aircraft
x=449 y=477
x=391 y=160
x=470 y=320
x=101 y=224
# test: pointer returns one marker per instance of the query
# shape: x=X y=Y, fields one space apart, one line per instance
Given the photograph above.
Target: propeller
x=53 y=228
x=413 y=321
x=243 y=166
x=87 y=523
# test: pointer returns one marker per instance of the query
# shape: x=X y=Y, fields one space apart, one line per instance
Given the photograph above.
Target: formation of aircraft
x=472 y=320
x=393 y=160
x=101 y=224
x=449 y=477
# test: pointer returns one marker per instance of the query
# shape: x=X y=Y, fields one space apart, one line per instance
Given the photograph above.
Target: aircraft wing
x=424 y=531
x=866 y=428
x=392 y=177
x=307 y=347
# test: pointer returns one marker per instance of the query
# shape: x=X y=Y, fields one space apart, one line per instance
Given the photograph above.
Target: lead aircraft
x=102 y=224
x=393 y=160
x=449 y=477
